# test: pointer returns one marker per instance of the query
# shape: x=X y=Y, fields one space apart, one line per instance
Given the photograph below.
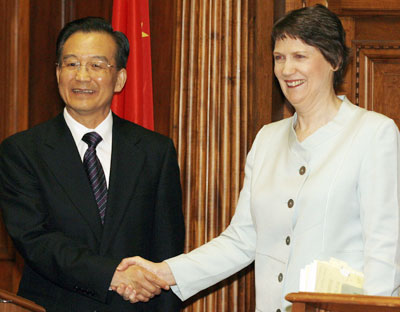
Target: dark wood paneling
x=14 y=49
x=378 y=65
x=364 y=7
x=351 y=7
x=6 y=276
x=384 y=28
x=346 y=88
x=386 y=89
x=5 y=64
x=162 y=14
x=101 y=8
x=45 y=22
x=14 y=19
x=370 y=5
x=7 y=252
x=264 y=98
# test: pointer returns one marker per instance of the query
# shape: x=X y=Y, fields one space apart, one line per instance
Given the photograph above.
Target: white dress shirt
x=103 y=149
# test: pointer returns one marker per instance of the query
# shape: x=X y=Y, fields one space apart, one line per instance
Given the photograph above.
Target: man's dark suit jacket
x=51 y=214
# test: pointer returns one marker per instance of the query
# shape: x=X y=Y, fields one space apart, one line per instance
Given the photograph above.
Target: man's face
x=86 y=90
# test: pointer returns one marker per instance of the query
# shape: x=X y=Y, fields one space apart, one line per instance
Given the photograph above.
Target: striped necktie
x=95 y=172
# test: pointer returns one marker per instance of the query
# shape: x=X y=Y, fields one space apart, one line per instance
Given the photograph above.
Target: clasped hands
x=137 y=279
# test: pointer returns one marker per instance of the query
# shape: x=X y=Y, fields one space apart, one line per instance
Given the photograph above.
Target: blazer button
x=280 y=277
x=288 y=240
x=302 y=170
x=290 y=203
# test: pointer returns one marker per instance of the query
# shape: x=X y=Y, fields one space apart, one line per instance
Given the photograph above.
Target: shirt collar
x=78 y=130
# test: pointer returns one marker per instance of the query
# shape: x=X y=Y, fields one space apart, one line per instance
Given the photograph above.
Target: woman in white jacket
x=322 y=183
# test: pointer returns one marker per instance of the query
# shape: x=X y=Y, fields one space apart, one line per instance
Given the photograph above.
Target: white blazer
x=336 y=194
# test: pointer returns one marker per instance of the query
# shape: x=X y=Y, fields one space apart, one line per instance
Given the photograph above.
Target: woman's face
x=302 y=71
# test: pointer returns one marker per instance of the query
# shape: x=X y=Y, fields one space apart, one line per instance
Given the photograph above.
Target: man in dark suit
x=86 y=189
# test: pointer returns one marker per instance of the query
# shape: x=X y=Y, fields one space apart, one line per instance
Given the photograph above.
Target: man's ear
x=58 y=74
x=121 y=79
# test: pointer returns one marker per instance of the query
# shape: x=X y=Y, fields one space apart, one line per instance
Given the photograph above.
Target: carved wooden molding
x=368 y=51
x=377 y=74
x=298 y=4
x=351 y=7
x=365 y=7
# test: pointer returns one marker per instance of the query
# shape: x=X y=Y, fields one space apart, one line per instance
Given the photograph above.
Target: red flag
x=135 y=102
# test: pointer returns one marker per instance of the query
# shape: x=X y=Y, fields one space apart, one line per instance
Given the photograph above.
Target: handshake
x=137 y=279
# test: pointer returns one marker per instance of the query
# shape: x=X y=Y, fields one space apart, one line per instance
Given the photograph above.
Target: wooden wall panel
x=378 y=68
x=4 y=60
x=384 y=28
x=44 y=101
x=162 y=27
x=14 y=17
x=386 y=91
x=365 y=7
x=346 y=88
x=222 y=94
x=101 y=8
x=264 y=95
x=351 y=7
x=376 y=55
x=14 y=37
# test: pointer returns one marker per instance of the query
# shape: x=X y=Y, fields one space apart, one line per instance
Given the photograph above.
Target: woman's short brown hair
x=317 y=26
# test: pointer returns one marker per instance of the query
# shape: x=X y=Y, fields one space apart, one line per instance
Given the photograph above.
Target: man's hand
x=135 y=283
x=161 y=270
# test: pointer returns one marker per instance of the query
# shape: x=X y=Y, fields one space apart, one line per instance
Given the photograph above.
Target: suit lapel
x=126 y=166
x=62 y=157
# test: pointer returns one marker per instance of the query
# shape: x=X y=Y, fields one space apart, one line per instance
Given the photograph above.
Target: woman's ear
x=338 y=65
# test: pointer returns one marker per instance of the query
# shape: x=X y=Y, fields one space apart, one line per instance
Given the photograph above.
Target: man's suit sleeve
x=58 y=258
x=169 y=230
